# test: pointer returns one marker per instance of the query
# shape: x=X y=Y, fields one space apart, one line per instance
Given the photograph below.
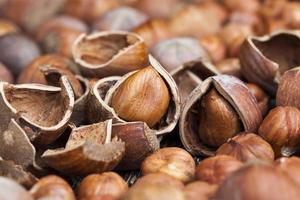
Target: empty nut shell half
x=111 y=53
x=236 y=94
x=169 y=120
x=42 y=111
x=89 y=149
x=140 y=142
x=265 y=59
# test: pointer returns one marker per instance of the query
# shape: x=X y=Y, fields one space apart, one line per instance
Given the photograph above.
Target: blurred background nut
x=290 y=14
x=215 y=169
x=261 y=97
x=11 y=190
x=246 y=147
x=52 y=187
x=281 y=128
x=160 y=179
x=291 y=166
x=108 y=183
x=230 y=66
x=172 y=161
x=215 y=47
x=18 y=51
x=199 y=190
x=242 y=5
x=7 y=27
x=5 y=74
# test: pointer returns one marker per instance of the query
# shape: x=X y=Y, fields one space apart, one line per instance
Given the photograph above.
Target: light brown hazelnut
x=216 y=169
x=290 y=14
x=173 y=161
x=281 y=128
x=246 y=147
x=215 y=47
x=199 y=190
x=242 y=5
x=261 y=97
x=291 y=166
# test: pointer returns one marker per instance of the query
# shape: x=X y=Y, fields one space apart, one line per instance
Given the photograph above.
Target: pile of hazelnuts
x=149 y=99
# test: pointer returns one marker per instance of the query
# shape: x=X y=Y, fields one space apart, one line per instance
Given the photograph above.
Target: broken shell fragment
x=42 y=111
x=111 y=53
x=89 y=149
x=234 y=97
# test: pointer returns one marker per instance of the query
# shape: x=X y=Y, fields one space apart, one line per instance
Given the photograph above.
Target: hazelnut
x=261 y=97
x=291 y=166
x=5 y=74
x=11 y=190
x=215 y=108
x=215 y=170
x=257 y=181
x=242 y=5
x=143 y=96
x=52 y=187
x=108 y=183
x=160 y=179
x=199 y=190
x=215 y=47
x=281 y=128
x=247 y=146
x=272 y=9
x=173 y=161
x=290 y=14
x=89 y=10
x=173 y=53
x=230 y=66
x=154 y=192
x=17 y=51
x=123 y=19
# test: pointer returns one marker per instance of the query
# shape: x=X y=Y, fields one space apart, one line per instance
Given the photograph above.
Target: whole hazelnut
x=281 y=128
x=199 y=190
x=17 y=51
x=173 y=161
x=214 y=108
x=89 y=10
x=108 y=183
x=230 y=66
x=290 y=14
x=215 y=169
x=123 y=18
x=247 y=146
x=261 y=97
x=257 y=181
x=5 y=74
x=7 y=27
x=215 y=47
x=160 y=179
x=291 y=166
x=52 y=187
x=143 y=96
x=154 y=192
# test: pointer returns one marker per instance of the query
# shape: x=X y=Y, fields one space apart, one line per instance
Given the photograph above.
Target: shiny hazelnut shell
x=261 y=97
x=239 y=97
x=290 y=166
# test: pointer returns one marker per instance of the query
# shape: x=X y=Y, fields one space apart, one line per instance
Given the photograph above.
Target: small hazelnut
x=230 y=66
x=154 y=192
x=199 y=190
x=247 y=146
x=89 y=10
x=108 y=183
x=215 y=47
x=173 y=161
x=214 y=108
x=52 y=187
x=291 y=166
x=143 y=96
x=5 y=74
x=261 y=97
x=281 y=128
x=160 y=179
x=215 y=169
x=123 y=19
x=17 y=51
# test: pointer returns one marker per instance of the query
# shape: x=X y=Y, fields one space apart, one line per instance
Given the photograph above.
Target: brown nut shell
x=172 y=161
x=291 y=166
x=30 y=105
x=110 y=53
x=5 y=74
x=216 y=169
x=281 y=128
x=168 y=122
x=199 y=190
x=11 y=190
x=108 y=183
x=90 y=149
x=265 y=59
x=232 y=90
x=261 y=176
x=246 y=147
x=52 y=187
x=261 y=97
x=140 y=142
